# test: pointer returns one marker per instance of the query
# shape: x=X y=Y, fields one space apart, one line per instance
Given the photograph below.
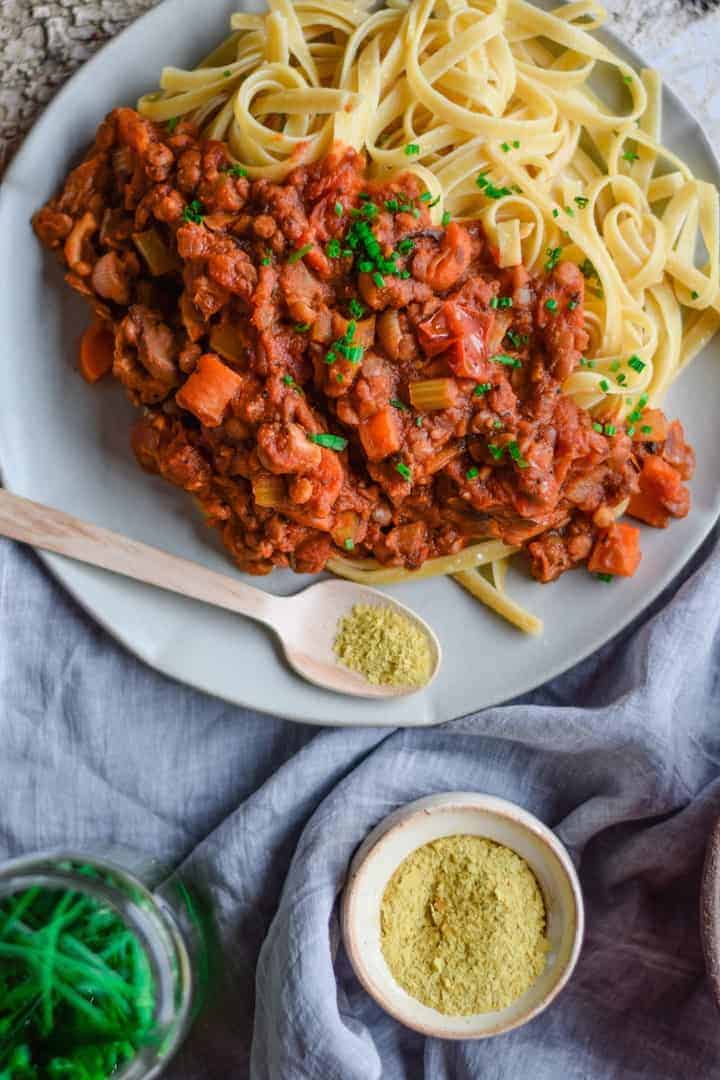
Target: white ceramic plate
x=66 y=444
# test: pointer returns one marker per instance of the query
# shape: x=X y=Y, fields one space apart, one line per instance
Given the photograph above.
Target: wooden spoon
x=306 y=623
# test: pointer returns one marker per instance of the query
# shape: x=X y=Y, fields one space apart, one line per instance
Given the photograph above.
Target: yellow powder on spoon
x=384 y=645
x=463 y=925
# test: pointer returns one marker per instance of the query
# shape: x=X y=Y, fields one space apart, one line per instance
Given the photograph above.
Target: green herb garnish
x=328 y=441
x=296 y=256
x=194 y=212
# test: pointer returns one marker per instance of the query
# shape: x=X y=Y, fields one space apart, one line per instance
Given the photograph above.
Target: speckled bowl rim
x=710 y=911
x=440 y=803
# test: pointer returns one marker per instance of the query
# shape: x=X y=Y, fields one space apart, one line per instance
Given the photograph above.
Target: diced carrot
x=646 y=508
x=662 y=493
x=96 y=351
x=209 y=390
x=381 y=434
x=655 y=420
x=616 y=551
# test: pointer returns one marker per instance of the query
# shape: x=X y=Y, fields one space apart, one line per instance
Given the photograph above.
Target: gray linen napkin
x=262 y=817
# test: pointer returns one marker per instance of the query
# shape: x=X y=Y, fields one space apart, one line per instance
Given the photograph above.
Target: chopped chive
x=411 y=149
x=339 y=377
x=572 y=304
x=569 y=211
x=330 y=356
x=505 y=147
x=472 y=473
x=556 y=213
x=694 y=295
x=629 y=155
x=553 y=255
x=378 y=279
x=402 y=468
x=398 y=404
x=581 y=201
x=418 y=421
x=508 y=361
x=392 y=205
x=482 y=388
x=627 y=79
x=446 y=219
x=604 y=577
x=551 y=304
x=621 y=378
x=516 y=455
x=235 y=170
x=636 y=364
x=434 y=202
x=339 y=209
x=301 y=327
x=296 y=256
x=348 y=544
x=330 y=442
x=194 y=212
x=332 y=249
x=630 y=430
x=265 y=261
x=496 y=451
x=357 y=310
x=615 y=366
x=604 y=385
x=426 y=196
x=516 y=144
x=646 y=429
x=172 y=124
x=598 y=427
x=354 y=353
x=610 y=429
x=288 y=380
x=406 y=245
x=517 y=340
x=227 y=74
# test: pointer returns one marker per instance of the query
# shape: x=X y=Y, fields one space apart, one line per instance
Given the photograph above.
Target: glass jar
x=166 y=927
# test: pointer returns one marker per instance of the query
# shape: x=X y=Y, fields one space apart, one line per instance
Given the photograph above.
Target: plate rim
x=427 y=711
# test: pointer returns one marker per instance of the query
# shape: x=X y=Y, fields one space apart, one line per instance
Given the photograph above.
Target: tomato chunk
x=616 y=551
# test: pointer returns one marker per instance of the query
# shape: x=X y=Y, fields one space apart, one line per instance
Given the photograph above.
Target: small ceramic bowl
x=468 y=813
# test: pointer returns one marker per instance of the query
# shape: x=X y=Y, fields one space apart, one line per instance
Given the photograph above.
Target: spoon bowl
x=309 y=622
x=306 y=623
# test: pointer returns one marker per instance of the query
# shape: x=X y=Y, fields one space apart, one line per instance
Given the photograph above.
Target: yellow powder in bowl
x=463 y=925
x=384 y=645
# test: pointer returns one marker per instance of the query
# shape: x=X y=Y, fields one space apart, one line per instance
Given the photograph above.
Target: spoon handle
x=53 y=530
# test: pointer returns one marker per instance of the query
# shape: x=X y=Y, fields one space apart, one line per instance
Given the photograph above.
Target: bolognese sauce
x=326 y=370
